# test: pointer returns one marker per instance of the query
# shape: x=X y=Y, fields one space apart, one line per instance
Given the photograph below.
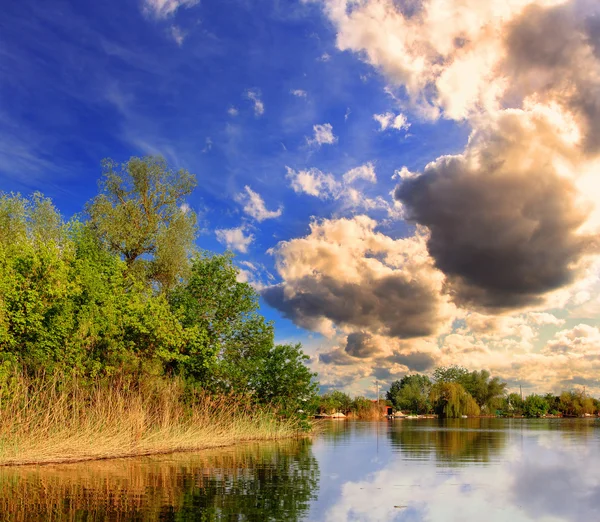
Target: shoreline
x=150 y=453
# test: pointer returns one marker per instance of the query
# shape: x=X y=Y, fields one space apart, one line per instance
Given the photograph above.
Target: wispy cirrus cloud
x=166 y=8
x=254 y=96
x=254 y=205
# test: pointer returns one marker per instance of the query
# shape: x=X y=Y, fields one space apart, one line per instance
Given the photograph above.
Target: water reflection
x=254 y=483
x=465 y=470
x=450 y=442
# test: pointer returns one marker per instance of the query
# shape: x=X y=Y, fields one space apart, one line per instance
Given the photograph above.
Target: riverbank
x=44 y=421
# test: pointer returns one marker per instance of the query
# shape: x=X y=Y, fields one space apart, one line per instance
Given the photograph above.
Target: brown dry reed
x=53 y=420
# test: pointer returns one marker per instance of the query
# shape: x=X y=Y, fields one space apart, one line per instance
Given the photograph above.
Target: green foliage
x=121 y=294
x=451 y=400
x=411 y=393
x=335 y=401
x=575 y=403
x=487 y=392
x=140 y=215
x=535 y=406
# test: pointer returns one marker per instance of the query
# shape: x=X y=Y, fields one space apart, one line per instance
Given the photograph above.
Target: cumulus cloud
x=313 y=182
x=325 y=186
x=579 y=341
x=389 y=120
x=165 y=8
x=504 y=220
x=323 y=135
x=235 y=238
x=299 y=93
x=254 y=205
x=232 y=111
x=346 y=275
x=254 y=97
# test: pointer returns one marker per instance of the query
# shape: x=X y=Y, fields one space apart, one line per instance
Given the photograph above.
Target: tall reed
x=50 y=419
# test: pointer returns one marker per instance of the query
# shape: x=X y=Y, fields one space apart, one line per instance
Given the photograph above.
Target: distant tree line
x=454 y=391
x=121 y=289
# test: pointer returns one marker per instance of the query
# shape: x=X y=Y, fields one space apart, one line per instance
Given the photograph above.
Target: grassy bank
x=47 y=421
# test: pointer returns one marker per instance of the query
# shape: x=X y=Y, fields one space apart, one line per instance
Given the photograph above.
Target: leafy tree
x=575 y=403
x=451 y=400
x=140 y=214
x=225 y=335
x=336 y=401
x=285 y=381
x=486 y=391
x=452 y=373
x=411 y=393
x=535 y=406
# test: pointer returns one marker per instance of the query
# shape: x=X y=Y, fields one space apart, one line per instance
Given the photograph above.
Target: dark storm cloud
x=554 y=53
x=503 y=223
x=361 y=345
x=394 y=306
x=415 y=361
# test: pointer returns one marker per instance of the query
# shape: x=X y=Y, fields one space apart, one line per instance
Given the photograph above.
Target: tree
x=141 y=215
x=486 y=391
x=575 y=403
x=225 y=335
x=535 y=406
x=336 y=401
x=451 y=400
x=452 y=373
x=411 y=393
x=284 y=380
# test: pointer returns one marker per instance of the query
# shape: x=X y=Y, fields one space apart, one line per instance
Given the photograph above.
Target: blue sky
x=232 y=91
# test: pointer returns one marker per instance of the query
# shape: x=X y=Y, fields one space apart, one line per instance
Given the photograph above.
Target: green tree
x=225 y=335
x=336 y=401
x=535 y=406
x=487 y=392
x=411 y=393
x=284 y=380
x=141 y=215
x=451 y=400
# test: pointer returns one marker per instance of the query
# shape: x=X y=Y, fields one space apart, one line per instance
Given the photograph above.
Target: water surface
x=409 y=470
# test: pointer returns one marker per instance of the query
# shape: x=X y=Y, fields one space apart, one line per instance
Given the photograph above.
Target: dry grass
x=44 y=421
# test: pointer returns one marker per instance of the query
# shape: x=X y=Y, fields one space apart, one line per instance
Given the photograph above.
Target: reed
x=54 y=420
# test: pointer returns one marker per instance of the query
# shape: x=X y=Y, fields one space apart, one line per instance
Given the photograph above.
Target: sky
x=406 y=183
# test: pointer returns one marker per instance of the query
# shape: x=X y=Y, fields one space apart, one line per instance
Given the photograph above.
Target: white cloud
x=323 y=135
x=254 y=97
x=178 y=35
x=325 y=57
x=232 y=111
x=366 y=172
x=324 y=186
x=314 y=183
x=254 y=205
x=299 y=93
x=234 y=238
x=165 y=8
x=208 y=145
x=389 y=120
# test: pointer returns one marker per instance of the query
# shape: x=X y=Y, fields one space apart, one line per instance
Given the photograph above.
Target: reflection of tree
x=260 y=482
x=451 y=441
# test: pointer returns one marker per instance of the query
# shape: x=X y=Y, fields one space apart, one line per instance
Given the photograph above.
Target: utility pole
x=521 y=392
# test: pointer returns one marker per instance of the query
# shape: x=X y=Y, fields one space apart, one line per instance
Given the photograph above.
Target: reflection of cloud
x=500 y=471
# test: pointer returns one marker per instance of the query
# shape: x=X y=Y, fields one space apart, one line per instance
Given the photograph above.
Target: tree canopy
x=126 y=292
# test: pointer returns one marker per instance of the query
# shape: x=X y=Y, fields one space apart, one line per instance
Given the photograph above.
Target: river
x=512 y=470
